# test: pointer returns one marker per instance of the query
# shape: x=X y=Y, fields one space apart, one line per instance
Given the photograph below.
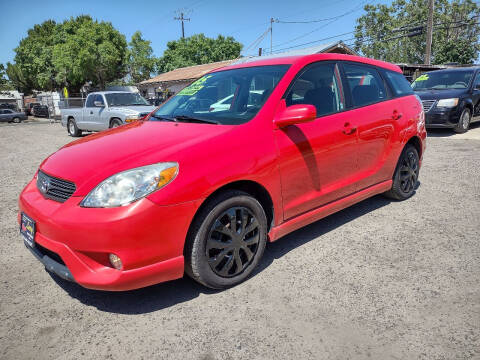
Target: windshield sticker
x=423 y=77
x=195 y=87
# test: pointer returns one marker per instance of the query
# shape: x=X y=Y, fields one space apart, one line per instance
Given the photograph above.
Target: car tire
x=115 y=123
x=72 y=128
x=16 y=120
x=406 y=174
x=464 y=122
x=218 y=256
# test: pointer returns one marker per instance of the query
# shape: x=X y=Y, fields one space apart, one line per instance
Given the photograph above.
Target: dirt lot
x=381 y=280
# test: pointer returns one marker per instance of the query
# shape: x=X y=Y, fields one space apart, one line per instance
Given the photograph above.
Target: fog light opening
x=115 y=261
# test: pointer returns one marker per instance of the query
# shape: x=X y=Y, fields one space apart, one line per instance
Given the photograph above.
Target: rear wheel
x=406 y=174
x=463 y=122
x=16 y=120
x=72 y=128
x=226 y=240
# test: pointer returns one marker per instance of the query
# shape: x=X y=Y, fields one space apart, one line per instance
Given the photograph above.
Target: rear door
x=476 y=95
x=317 y=159
x=3 y=116
x=376 y=113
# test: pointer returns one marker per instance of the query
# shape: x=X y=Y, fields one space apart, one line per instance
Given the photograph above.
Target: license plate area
x=27 y=229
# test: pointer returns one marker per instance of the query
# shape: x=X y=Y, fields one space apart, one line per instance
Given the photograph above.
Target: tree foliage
x=140 y=60
x=198 y=49
x=382 y=32
x=5 y=83
x=69 y=54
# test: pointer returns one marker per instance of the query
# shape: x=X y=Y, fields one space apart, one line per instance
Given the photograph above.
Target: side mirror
x=295 y=114
x=98 y=104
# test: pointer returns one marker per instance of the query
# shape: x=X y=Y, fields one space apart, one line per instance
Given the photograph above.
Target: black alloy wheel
x=406 y=174
x=232 y=241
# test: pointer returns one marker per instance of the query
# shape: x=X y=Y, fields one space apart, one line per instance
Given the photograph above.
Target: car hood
x=133 y=110
x=96 y=157
x=441 y=94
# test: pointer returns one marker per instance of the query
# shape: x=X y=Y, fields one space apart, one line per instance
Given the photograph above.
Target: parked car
x=7 y=115
x=8 y=106
x=106 y=109
x=202 y=192
x=29 y=107
x=450 y=97
x=40 y=111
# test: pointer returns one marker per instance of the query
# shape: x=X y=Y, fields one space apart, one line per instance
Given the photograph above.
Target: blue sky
x=244 y=20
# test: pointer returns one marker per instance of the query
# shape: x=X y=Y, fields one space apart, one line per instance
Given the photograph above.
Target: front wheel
x=115 y=123
x=16 y=120
x=406 y=174
x=226 y=240
x=463 y=122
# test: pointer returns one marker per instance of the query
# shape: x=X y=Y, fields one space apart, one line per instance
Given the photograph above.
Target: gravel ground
x=381 y=280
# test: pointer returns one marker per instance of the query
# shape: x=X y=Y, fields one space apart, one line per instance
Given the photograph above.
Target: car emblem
x=44 y=185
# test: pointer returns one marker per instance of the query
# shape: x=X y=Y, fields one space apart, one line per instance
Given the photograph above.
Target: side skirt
x=316 y=214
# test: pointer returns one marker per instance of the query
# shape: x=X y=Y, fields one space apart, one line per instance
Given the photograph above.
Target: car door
x=316 y=159
x=85 y=121
x=3 y=116
x=375 y=112
x=96 y=118
x=476 y=94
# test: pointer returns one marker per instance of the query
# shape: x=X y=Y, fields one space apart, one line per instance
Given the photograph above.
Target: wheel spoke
x=216 y=244
x=227 y=266
x=232 y=216
x=252 y=240
x=222 y=229
x=217 y=259
x=252 y=226
x=248 y=252
x=238 y=260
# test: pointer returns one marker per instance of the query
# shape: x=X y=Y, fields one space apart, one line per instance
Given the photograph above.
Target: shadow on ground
x=167 y=294
x=448 y=132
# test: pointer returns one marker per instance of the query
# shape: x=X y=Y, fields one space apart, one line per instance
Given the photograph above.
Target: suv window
x=400 y=86
x=477 y=81
x=366 y=84
x=318 y=85
x=90 y=100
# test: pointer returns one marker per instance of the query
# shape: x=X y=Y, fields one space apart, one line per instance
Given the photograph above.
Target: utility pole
x=428 y=49
x=271 y=34
x=259 y=51
x=182 y=19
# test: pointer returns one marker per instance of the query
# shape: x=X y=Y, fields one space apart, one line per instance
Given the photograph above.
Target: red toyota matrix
x=244 y=155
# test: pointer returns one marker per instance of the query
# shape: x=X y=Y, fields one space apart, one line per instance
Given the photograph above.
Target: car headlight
x=130 y=185
x=448 y=103
x=131 y=118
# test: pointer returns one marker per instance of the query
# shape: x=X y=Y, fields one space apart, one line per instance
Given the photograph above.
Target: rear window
x=400 y=86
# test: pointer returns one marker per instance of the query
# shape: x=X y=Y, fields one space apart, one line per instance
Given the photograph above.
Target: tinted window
x=90 y=100
x=125 y=99
x=318 y=85
x=477 y=81
x=227 y=97
x=400 y=86
x=366 y=85
x=7 y=111
x=99 y=97
x=438 y=80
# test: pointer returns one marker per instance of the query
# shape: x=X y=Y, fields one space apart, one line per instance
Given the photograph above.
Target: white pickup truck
x=105 y=109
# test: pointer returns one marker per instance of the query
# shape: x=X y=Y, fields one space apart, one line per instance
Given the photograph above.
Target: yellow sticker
x=193 y=88
x=422 y=77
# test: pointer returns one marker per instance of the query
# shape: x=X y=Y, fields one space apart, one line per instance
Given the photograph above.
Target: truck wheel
x=463 y=122
x=115 y=123
x=72 y=128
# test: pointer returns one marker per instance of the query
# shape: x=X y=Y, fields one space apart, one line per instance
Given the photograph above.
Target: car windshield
x=229 y=97
x=443 y=80
x=125 y=99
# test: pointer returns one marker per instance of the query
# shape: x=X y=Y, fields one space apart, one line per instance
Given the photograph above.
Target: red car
x=195 y=191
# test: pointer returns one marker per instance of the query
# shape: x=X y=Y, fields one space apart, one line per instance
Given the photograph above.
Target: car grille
x=428 y=105
x=54 y=188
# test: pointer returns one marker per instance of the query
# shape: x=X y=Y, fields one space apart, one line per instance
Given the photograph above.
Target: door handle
x=396 y=115
x=349 y=130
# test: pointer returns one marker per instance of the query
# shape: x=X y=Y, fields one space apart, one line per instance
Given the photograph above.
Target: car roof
x=469 y=68
x=112 y=92
x=306 y=59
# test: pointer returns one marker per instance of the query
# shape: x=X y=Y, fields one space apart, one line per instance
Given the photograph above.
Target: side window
x=366 y=85
x=400 y=86
x=99 y=97
x=318 y=85
x=90 y=100
x=476 y=83
x=1 y=111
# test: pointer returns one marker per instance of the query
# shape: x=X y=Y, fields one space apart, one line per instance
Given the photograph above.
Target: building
x=12 y=99
x=169 y=83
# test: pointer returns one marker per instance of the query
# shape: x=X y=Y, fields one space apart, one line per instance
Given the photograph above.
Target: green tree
x=198 y=49
x=382 y=32
x=140 y=60
x=18 y=79
x=5 y=83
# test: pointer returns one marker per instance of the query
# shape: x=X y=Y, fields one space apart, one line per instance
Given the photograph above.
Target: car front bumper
x=442 y=118
x=74 y=242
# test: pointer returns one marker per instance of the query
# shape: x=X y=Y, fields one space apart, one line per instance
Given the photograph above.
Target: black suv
x=450 y=97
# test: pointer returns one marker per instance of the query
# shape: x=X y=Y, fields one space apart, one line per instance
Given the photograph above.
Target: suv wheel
x=463 y=122
x=406 y=174
x=72 y=128
x=226 y=240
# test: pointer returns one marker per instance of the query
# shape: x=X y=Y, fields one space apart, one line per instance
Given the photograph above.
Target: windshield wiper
x=187 y=118
x=164 y=118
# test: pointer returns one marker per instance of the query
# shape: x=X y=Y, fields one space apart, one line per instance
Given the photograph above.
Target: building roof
x=187 y=73
x=337 y=47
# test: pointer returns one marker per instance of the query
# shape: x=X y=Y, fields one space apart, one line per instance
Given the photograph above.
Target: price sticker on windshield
x=195 y=87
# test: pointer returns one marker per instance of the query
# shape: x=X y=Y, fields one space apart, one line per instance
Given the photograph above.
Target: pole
x=259 y=51
x=182 y=19
x=428 y=49
x=271 y=35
